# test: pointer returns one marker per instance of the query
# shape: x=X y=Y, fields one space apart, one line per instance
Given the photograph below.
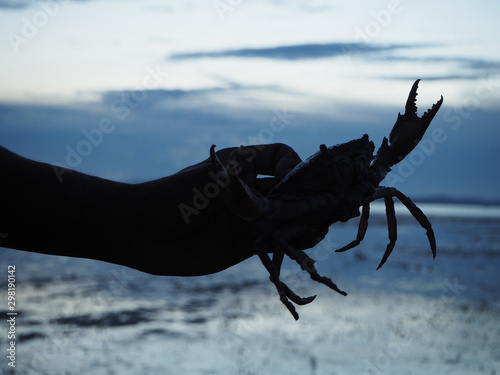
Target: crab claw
x=409 y=128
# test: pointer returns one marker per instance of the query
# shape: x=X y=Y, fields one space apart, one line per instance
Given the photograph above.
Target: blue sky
x=150 y=85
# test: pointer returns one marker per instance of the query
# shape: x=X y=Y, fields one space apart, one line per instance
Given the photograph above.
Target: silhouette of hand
x=193 y=218
x=274 y=160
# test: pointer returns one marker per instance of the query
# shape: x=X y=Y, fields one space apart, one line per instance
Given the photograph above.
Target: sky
x=136 y=90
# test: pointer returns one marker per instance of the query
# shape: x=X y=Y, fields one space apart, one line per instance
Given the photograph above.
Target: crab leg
x=275 y=280
x=307 y=264
x=363 y=226
x=421 y=218
x=387 y=193
x=392 y=228
x=278 y=257
x=285 y=293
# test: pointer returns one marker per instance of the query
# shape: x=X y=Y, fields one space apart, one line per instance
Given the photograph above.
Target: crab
x=328 y=187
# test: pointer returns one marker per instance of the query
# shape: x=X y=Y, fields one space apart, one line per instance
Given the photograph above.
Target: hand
x=190 y=222
x=262 y=160
x=275 y=160
x=202 y=234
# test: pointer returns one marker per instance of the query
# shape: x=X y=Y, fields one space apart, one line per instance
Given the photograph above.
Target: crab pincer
x=409 y=127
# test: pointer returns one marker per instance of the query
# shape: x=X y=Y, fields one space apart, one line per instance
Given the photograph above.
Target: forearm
x=72 y=216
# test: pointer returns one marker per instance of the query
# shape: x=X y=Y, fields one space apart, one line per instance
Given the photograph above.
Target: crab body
x=342 y=171
x=328 y=187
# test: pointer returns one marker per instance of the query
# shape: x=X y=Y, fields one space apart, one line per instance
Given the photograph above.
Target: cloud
x=468 y=62
x=294 y=52
x=21 y=4
x=6 y=4
x=466 y=67
x=153 y=97
x=437 y=77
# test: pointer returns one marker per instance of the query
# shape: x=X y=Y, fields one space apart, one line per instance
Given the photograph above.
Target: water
x=414 y=316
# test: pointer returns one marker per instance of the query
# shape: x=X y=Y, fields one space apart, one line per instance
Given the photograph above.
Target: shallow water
x=414 y=316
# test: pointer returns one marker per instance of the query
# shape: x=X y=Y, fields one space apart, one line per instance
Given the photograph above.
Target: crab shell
x=333 y=169
x=342 y=170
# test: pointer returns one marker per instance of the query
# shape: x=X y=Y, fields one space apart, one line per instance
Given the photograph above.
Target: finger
x=275 y=159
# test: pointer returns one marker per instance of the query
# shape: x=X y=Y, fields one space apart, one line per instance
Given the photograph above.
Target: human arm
x=142 y=226
x=79 y=215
